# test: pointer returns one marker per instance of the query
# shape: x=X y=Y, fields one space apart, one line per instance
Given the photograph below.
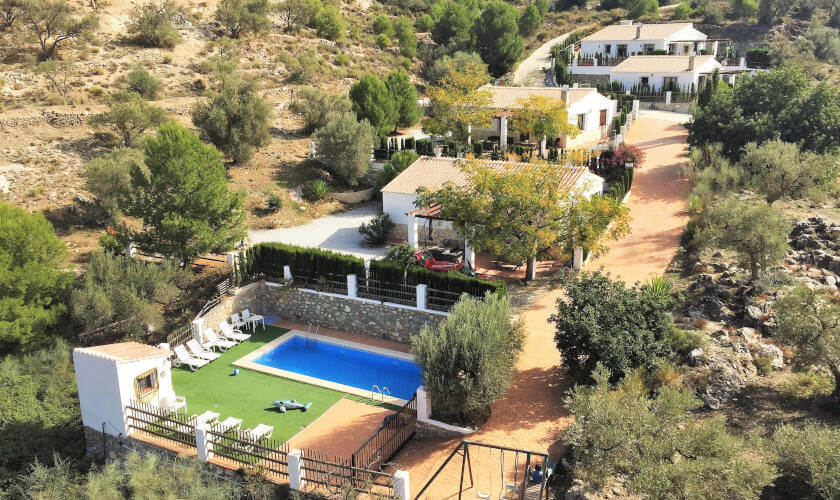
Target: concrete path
x=339 y=232
x=531 y=71
x=531 y=415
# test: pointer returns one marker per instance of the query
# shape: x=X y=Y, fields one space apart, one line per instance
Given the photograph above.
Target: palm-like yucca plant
x=658 y=287
x=318 y=190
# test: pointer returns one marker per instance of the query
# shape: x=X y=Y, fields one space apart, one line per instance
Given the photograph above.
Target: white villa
x=414 y=225
x=591 y=111
x=664 y=72
x=627 y=39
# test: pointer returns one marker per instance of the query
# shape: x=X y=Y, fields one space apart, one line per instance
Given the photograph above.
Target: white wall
x=397 y=205
x=638 y=46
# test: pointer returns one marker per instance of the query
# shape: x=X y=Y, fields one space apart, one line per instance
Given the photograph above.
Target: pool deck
x=352 y=337
x=344 y=339
x=342 y=429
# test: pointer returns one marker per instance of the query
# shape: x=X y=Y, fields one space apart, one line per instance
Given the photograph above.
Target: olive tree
x=809 y=320
x=755 y=231
x=129 y=115
x=235 y=119
x=53 y=22
x=469 y=358
x=344 y=146
x=108 y=178
x=243 y=16
x=151 y=25
x=312 y=105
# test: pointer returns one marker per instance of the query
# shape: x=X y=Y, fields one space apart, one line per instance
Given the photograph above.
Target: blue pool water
x=344 y=365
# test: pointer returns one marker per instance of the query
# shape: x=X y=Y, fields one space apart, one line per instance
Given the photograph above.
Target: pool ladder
x=376 y=390
x=311 y=336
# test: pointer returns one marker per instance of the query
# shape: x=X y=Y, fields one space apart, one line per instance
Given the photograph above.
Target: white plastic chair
x=183 y=358
x=252 y=319
x=236 y=321
x=173 y=403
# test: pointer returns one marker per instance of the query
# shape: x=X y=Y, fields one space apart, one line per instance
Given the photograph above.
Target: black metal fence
x=388 y=291
x=337 y=475
x=236 y=445
x=172 y=428
x=441 y=300
x=331 y=283
x=387 y=441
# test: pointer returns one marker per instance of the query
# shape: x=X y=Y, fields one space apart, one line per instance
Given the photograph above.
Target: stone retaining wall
x=354 y=196
x=354 y=315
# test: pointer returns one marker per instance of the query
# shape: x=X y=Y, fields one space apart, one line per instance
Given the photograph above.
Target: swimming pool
x=343 y=363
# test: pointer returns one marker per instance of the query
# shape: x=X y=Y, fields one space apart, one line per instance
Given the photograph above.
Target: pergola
x=432 y=213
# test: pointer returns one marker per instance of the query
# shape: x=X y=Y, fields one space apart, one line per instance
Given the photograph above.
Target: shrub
x=469 y=359
x=810 y=454
x=744 y=8
x=763 y=365
x=274 y=202
x=341 y=60
x=108 y=178
x=682 y=11
x=330 y=24
x=382 y=41
x=684 y=341
x=773 y=280
x=235 y=119
x=129 y=115
x=402 y=255
x=343 y=146
x=143 y=83
x=376 y=231
x=318 y=189
x=530 y=20
x=406 y=37
x=808 y=385
x=382 y=26
x=109 y=244
x=604 y=321
x=454 y=282
x=313 y=105
x=151 y=25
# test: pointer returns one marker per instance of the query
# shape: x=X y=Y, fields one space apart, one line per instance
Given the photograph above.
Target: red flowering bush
x=626 y=153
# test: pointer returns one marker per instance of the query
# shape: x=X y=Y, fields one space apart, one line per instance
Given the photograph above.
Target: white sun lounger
x=232 y=333
x=253 y=319
x=259 y=432
x=228 y=424
x=195 y=348
x=208 y=417
x=183 y=358
x=214 y=340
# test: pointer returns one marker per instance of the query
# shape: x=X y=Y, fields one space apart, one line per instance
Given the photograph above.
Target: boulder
x=695 y=357
x=711 y=401
x=772 y=352
x=749 y=335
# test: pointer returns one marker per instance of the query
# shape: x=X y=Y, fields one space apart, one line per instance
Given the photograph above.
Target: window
x=669 y=83
x=645 y=82
x=622 y=51
x=523 y=136
x=608 y=49
x=581 y=119
x=603 y=119
x=146 y=385
x=649 y=48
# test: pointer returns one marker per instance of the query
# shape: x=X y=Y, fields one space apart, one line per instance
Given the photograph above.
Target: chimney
x=638 y=31
x=564 y=94
x=691 y=60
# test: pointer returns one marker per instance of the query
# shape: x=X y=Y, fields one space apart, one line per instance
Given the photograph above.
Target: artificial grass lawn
x=249 y=395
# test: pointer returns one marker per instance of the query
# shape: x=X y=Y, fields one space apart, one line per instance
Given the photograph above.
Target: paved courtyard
x=339 y=232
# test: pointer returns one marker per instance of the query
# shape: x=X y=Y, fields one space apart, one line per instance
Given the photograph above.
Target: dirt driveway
x=531 y=416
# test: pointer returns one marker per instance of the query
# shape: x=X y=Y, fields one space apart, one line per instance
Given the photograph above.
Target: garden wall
x=338 y=312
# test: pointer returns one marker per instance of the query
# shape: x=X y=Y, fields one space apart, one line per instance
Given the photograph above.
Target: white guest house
x=590 y=111
x=626 y=39
x=685 y=73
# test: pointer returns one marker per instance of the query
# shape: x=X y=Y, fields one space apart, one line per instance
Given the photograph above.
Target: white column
x=352 y=286
x=469 y=134
x=577 y=260
x=668 y=97
x=230 y=258
x=424 y=405
x=715 y=48
x=413 y=232
x=624 y=131
x=542 y=147
x=401 y=490
x=636 y=106
x=469 y=253
x=503 y=131
x=296 y=472
x=130 y=250
x=533 y=273
x=421 y=296
x=203 y=444
x=742 y=63
x=198 y=329
x=287 y=273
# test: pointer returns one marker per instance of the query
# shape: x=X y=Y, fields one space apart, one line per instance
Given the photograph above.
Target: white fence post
x=636 y=106
x=421 y=296
x=203 y=444
x=197 y=328
x=577 y=260
x=296 y=472
x=668 y=97
x=424 y=406
x=352 y=286
x=401 y=489
x=287 y=273
x=130 y=250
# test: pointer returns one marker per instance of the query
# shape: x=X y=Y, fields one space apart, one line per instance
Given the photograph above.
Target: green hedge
x=305 y=263
x=453 y=281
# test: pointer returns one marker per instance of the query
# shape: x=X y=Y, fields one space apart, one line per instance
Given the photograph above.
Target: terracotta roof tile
x=659 y=64
x=506 y=97
x=433 y=173
x=124 y=351
x=622 y=32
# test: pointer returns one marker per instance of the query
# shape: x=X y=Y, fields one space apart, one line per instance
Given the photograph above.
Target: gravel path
x=339 y=232
x=531 y=71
